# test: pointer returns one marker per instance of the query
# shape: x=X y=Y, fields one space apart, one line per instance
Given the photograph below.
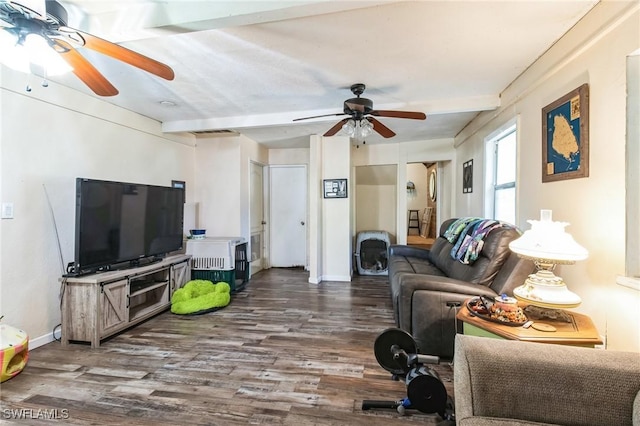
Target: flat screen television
x=119 y=222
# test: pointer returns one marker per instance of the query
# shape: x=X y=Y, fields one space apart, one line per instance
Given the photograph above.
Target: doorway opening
x=422 y=192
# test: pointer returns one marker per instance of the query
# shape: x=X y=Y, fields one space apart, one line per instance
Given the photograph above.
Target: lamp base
x=547 y=297
x=546 y=290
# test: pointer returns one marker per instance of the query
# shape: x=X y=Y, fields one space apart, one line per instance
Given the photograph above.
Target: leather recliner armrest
x=408 y=284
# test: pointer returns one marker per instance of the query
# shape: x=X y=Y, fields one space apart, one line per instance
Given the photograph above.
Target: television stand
x=100 y=305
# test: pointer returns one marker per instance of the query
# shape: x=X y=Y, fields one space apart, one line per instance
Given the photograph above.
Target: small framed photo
x=180 y=184
x=565 y=136
x=334 y=188
x=467 y=177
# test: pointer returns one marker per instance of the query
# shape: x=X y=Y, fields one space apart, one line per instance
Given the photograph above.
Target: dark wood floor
x=283 y=352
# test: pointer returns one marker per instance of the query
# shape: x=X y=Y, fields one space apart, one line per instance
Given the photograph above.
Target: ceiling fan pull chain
x=27 y=87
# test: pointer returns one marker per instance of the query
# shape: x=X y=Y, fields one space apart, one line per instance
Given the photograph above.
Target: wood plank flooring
x=284 y=352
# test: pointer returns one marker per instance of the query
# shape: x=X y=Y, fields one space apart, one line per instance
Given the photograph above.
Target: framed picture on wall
x=335 y=188
x=180 y=184
x=467 y=176
x=433 y=185
x=565 y=136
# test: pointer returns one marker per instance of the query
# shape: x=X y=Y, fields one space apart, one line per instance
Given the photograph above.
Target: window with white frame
x=632 y=267
x=501 y=175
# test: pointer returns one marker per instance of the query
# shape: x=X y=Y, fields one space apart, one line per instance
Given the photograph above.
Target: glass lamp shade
x=548 y=240
x=40 y=53
x=548 y=245
x=349 y=127
x=34 y=50
x=365 y=128
x=358 y=129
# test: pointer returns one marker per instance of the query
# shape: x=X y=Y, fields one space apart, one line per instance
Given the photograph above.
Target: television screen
x=119 y=222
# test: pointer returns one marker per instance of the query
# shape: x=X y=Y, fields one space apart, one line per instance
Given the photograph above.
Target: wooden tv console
x=99 y=305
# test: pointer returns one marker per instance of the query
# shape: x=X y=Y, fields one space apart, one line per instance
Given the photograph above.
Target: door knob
x=302 y=222
x=263 y=222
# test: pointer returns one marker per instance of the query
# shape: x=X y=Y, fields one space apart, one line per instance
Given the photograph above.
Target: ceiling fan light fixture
x=349 y=127
x=366 y=128
x=13 y=54
x=42 y=54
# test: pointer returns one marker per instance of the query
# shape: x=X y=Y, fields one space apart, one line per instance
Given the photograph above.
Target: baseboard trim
x=342 y=278
x=315 y=280
x=41 y=341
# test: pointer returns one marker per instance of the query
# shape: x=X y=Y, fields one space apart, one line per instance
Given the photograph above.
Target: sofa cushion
x=493 y=255
x=419 y=266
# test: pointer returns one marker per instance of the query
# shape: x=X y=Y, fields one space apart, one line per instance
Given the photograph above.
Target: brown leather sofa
x=427 y=286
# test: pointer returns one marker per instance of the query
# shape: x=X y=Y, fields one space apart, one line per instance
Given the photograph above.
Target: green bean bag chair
x=199 y=297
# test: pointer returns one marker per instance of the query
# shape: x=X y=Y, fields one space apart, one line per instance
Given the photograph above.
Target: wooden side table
x=579 y=332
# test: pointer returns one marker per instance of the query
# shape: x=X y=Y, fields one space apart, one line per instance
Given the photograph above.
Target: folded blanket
x=457 y=227
x=199 y=296
x=470 y=233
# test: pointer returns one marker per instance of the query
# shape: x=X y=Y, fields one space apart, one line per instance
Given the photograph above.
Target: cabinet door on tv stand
x=113 y=307
x=180 y=275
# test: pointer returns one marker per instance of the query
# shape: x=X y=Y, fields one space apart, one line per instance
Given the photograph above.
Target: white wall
x=316 y=264
x=593 y=52
x=48 y=138
x=217 y=166
x=375 y=208
x=290 y=156
x=375 y=199
x=336 y=213
x=222 y=183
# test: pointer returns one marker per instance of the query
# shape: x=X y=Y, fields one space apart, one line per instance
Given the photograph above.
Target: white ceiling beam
x=444 y=106
x=130 y=20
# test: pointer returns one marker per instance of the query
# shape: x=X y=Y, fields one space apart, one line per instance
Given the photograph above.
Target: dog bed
x=199 y=297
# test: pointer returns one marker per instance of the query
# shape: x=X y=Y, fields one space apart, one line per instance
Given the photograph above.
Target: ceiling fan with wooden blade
x=359 y=109
x=34 y=21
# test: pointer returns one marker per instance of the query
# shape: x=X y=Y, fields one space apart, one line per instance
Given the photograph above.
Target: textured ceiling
x=254 y=66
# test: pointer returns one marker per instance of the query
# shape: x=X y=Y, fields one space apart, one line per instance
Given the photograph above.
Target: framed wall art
x=433 y=185
x=180 y=184
x=467 y=177
x=335 y=188
x=565 y=136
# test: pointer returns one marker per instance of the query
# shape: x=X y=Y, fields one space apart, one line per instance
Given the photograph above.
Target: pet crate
x=372 y=252
x=219 y=259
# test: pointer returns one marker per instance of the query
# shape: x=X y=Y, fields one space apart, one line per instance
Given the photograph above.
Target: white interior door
x=257 y=219
x=288 y=216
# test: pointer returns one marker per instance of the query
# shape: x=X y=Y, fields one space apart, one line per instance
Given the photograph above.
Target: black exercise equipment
x=396 y=351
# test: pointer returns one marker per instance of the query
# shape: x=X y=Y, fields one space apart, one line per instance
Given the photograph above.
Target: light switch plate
x=7 y=211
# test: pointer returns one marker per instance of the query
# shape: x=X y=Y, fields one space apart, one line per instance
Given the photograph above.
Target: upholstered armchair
x=508 y=382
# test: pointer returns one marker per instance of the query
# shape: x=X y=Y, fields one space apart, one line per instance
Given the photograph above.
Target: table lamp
x=548 y=245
